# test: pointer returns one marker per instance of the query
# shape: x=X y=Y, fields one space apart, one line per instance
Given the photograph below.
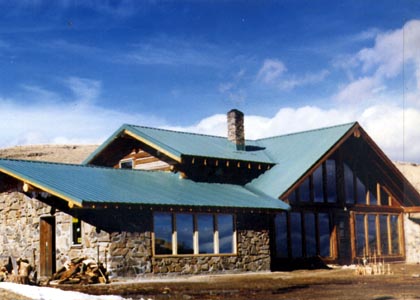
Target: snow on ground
x=47 y=293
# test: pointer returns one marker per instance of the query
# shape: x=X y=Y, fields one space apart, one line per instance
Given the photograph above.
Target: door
x=47 y=246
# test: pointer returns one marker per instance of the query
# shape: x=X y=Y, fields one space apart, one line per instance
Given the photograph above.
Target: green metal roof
x=177 y=144
x=85 y=184
x=294 y=154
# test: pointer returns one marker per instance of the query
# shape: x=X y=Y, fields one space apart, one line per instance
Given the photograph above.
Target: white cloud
x=362 y=89
x=378 y=66
x=395 y=130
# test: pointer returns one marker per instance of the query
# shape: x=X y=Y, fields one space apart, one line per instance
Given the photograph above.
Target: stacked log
x=81 y=271
x=18 y=271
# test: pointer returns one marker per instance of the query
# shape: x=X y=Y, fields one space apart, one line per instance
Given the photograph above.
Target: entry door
x=47 y=246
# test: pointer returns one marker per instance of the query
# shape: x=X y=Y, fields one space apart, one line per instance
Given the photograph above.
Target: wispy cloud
x=173 y=52
x=271 y=71
x=51 y=118
x=274 y=72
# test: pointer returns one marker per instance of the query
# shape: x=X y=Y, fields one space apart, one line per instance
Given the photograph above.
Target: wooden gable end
x=358 y=153
x=128 y=152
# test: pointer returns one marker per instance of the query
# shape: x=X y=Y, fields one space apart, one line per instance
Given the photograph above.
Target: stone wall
x=126 y=245
x=412 y=239
x=19 y=231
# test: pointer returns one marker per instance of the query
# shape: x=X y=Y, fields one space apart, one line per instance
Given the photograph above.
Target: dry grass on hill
x=74 y=154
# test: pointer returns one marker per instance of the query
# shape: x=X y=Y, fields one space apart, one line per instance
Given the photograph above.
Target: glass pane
x=310 y=234
x=394 y=234
x=348 y=184
x=361 y=191
x=324 y=235
x=163 y=233
x=205 y=233
x=281 y=235
x=304 y=191
x=296 y=234
x=292 y=197
x=318 y=185
x=185 y=232
x=373 y=244
x=360 y=235
x=372 y=198
x=226 y=232
x=384 y=197
x=383 y=227
x=331 y=181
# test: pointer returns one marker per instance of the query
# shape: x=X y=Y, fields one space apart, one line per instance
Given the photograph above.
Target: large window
x=363 y=189
x=188 y=234
x=309 y=234
x=370 y=241
x=319 y=187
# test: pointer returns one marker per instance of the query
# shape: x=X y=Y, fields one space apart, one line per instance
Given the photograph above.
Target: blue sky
x=74 y=71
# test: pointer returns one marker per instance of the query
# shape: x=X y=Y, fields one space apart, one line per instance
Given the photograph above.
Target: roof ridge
x=306 y=131
x=178 y=131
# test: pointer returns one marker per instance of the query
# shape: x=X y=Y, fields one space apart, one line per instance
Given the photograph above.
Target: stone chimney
x=236 y=132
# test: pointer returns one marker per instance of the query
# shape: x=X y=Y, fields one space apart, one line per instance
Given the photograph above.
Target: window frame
x=195 y=235
x=379 y=237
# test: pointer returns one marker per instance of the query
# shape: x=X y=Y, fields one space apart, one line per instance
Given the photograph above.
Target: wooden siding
x=142 y=160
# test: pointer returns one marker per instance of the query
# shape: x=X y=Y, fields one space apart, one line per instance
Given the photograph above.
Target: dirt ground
x=341 y=284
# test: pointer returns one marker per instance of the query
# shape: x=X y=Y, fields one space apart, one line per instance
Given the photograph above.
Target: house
x=154 y=201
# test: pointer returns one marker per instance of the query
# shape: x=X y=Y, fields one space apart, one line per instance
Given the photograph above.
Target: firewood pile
x=81 y=271
x=17 y=271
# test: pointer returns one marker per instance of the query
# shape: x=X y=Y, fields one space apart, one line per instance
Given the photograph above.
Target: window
x=349 y=184
x=126 y=164
x=370 y=242
x=188 y=234
x=185 y=232
x=205 y=234
x=163 y=233
x=76 y=231
x=225 y=229
x=331 y=181
x=280 y=222
x=319 y=187
x=303 y=234
x=310 y=234
x=324 y=235
x=305 y=191
x=360 y=235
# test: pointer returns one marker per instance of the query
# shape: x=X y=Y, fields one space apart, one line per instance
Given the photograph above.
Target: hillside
x=74 y=154
x=77 y=153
